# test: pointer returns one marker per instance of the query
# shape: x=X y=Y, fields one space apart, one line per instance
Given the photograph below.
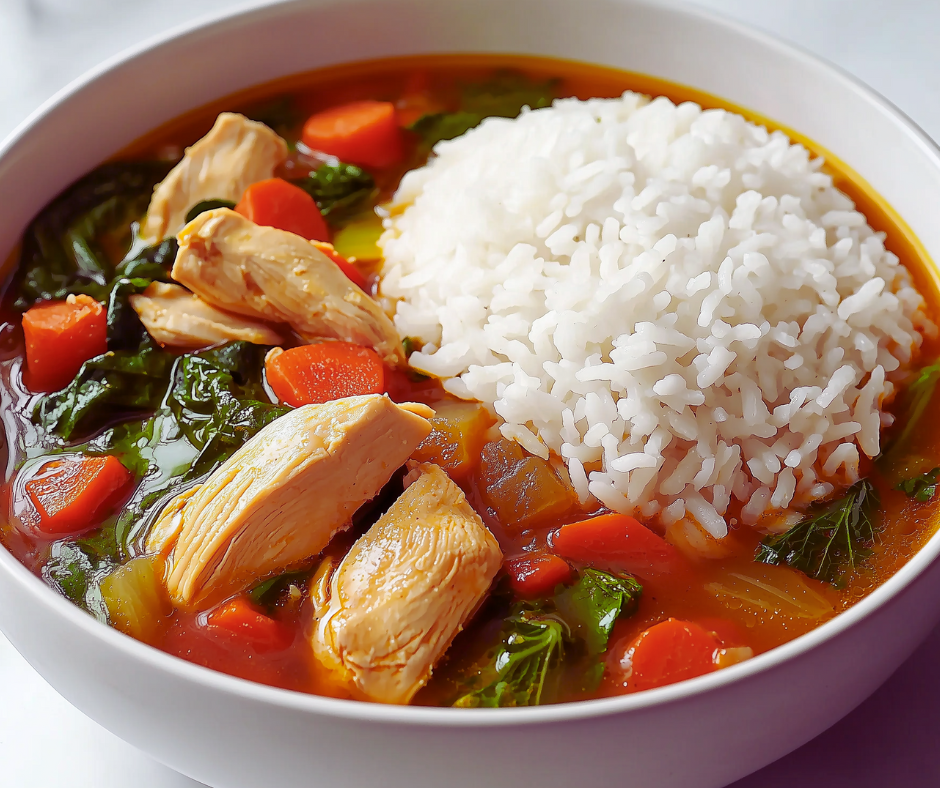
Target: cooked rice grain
x=676 y=301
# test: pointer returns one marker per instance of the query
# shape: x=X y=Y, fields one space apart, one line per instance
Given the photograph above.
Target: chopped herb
x=593 y=604
x=207 y=205
x=518 y=673
x=339 y=189
x=832 y=538
x=266 y=593
x=409 y=345
x=921 y=488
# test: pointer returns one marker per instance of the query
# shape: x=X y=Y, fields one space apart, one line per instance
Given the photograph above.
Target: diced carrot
x=277 y=203
x=312 y=374
x=365 y=133
x=239 y=617
x=616 y=541
x=60 y=337
x=74 y=494
x=352 y=273
x=668 y=652
x=537 y=575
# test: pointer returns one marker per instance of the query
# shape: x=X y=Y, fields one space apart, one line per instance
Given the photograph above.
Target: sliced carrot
x=277 y=203
x=617 y=541
x=537 y=575
x=312 y=374
x=74 y=494
x=668 y=652
x=60 y=337
x=239 y=617
x=352 y=273
x=365 y=133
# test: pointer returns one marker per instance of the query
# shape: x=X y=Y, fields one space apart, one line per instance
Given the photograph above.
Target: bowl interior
x=122 y=100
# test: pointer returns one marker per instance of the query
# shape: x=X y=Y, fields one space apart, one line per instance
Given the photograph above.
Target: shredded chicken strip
x=283 y=495
x=236 y=153
x=175 y=317
x=271 y=274
x=405 y=589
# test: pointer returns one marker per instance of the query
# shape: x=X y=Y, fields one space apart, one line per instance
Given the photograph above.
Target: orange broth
x=906 y=524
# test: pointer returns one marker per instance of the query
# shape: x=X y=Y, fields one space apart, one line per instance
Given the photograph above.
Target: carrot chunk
x=365 y=133
x=239 y=617
x=619 y=542
x=60 y=337
x=73 y=495
x=668 y=652
x=313 y=374
x=537 y=575
x=277 y=203
x=352 y=273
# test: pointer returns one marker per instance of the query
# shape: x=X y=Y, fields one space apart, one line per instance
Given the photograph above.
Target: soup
x=285 y=405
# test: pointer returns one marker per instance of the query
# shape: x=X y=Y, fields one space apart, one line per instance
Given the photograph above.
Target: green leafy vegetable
x=279 y=114
x=106 y=384
x=213 y=406
x=266 y=593
x=921 y=488
x=536 y=638
x=532 y=646
x=831 y=539
x=207 y=205
x=71 y=243
x=75 y=569
x=444 y=126
x=592 y=606
x=338 y=189
x=504 y=96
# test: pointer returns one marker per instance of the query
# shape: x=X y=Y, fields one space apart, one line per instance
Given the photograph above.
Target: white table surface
x=894 y=46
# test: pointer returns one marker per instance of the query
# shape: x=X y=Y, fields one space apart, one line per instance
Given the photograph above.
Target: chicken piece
x=404 y=591
x=283 y=495
x=173 y=316
x=236 y=153
x=271 y=274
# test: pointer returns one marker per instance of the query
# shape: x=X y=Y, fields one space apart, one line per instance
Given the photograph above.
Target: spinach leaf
x=518 y=673
x=106 y=384
x=279 y=114
x=338 y=189
x=207 y=205
x=444 y=126
x=592 y=606
x=66 y=245
x=212 y=407
x=831 y=539
x=921 y=488
x=503 y=96
x=75 y=569
x=895 y=463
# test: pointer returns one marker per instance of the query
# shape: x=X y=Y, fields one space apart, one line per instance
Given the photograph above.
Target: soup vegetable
x=418 y=382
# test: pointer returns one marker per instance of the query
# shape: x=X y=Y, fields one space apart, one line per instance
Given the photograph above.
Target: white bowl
x=706 y=732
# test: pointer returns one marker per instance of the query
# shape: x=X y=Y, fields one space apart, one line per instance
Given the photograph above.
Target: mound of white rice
x=675 y=301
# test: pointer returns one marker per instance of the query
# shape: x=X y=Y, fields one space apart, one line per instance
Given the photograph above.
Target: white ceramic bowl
x=231 y=733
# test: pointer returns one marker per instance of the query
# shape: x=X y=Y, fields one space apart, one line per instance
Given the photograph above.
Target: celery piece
x=136 y=597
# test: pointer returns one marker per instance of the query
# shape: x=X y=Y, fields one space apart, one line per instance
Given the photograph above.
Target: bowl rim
x=425 y=716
